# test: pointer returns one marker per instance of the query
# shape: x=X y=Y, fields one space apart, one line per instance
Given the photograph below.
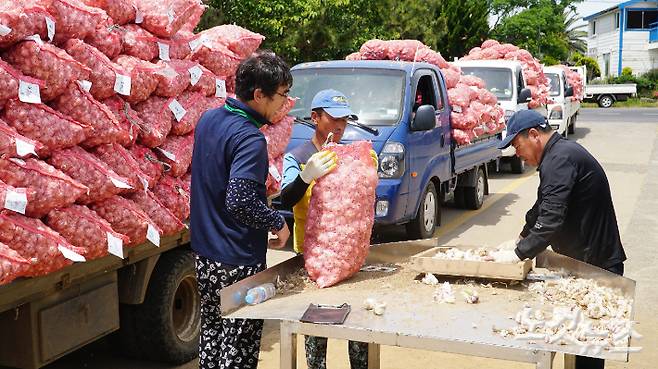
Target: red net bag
x=274 y=176
x=173 y=78
x=195 y=105
x=284 y=110
x=168 y=223
x=15 y=199
x=85 y=229
x=187 y=182
x=461 y=137
x=139 y=43
x=451 y=77
x=177 y=152
x=277 y=136
x=12 y=265
x=459 y=97
x=158 y=120
x=241 y=41
x=51 y=187
x=172 y=193
x=126 y=218
x=10 y=80
x=404 y=49
x=12 y=23
x=472 y=81
x=129 y=121
x=85 y=168
x=121 y=161
x=201 y=79
x=194 y=19
x=374 y=50
x=75 y=19
x=48 y=63
x=149 y=164
x=14 y=145
x=211 y=51
x=179 y=45
x=34 y=241
x=143 y=77
x=165 y=17
x=339 y=223
x=81 y=106
x=41 y=123
x=107 y=39
x=39 y=21
x=429 y=56
x=121 y=11
x=354 y=56
x=103 y=70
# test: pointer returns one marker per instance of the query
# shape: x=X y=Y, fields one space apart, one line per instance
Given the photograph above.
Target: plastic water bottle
x=260 y=293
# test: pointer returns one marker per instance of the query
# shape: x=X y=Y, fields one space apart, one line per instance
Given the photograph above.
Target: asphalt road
x=626 y=146
x=619 y=115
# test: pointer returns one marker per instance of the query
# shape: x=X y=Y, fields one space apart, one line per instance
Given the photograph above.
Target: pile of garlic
x=593 y=317
x=452 y=253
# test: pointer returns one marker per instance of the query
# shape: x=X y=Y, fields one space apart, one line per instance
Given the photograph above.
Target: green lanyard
x=243 y=114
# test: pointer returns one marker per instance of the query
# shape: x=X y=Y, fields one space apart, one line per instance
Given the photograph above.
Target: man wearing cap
x=573 y=212
x=301 y=168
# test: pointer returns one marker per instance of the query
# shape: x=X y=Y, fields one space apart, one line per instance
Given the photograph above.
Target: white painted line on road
x=610 y=113
x=652 y=114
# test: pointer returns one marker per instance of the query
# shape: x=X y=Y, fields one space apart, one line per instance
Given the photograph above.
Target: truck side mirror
x=424 y=119
x=524 y=96
x=568 y=92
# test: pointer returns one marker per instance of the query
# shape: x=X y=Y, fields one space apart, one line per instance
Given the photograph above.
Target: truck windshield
x=554 y=79
x=498 y=80
x=375 y=95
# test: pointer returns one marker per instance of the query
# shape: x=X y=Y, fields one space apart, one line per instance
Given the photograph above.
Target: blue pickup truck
x=403 y=110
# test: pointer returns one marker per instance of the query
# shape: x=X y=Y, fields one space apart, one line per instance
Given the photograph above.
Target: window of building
x=617 y=20
x=641 y=19
x=606 y=64
x=593 y=28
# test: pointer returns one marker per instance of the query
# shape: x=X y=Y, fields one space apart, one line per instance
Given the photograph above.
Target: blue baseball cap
x=519 y=121
x=334 y=103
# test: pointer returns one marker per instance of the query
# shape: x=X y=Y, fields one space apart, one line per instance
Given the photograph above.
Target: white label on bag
x=120 y=184
x=50 y=25
x=139 y=16
x=35 y=38
x=4 y=30
x=70 y=254
x=17 y=161
x=86 y=85
x=16 y=200
x=197 y=42
x=167 y=154
x=195 y=74
x=164 y=51
x=457 y=109
x=145 y=183
x=114 y=245
x=275 y=173
x=153 y=235
x=171 y=15
x=24 y=148
x=122 y=84
x=29 y=92
x=220 y=88
x=178 y=110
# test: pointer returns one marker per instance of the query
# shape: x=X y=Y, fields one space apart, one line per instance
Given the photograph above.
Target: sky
x=589 y=7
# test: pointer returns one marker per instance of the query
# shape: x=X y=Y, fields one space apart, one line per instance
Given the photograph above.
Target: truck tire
x=166 y=326
x=606 y=101
x=517 y=164
x=428 y=216
x=572 y=126
x=474 y=196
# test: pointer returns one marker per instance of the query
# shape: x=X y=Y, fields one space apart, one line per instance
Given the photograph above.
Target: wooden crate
x=425 y=262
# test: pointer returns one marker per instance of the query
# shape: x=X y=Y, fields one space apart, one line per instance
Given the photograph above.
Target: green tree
x=574 y=33
x=591 y=64
x=467 y=26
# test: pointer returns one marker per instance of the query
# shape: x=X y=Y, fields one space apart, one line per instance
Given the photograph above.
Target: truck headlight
x=556 y=113
x=381 y=209
x=391 y=161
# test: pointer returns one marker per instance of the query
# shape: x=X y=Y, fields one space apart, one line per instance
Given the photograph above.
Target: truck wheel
x=428 y=216
x=572 y=126
x=474 y=196
x=606 y=101
x=518 y=165
x=166 y=326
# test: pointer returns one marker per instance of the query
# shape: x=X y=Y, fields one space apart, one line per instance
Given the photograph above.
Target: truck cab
x=403 y=110
x=504 y=78
x=563 y=110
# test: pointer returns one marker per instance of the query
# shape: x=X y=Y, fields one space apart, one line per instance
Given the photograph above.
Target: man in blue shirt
x=229 y=218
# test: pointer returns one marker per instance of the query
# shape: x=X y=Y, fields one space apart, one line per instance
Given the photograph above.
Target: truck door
x=429 y=151
x=520 y=85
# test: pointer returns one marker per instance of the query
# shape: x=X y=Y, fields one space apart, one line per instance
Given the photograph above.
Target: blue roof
x=620 y=5
x=375 y=64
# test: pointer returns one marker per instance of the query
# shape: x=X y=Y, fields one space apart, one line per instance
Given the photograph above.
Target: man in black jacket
x=573 y=212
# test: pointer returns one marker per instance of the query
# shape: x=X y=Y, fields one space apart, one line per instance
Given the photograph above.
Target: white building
x=625 y=35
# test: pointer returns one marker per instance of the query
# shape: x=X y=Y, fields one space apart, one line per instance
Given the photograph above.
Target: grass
x=633 y=102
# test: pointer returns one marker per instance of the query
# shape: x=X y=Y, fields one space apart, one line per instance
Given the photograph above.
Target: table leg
x=373 y=356
x=569 y=361
x=288 y=347
x=545 y=360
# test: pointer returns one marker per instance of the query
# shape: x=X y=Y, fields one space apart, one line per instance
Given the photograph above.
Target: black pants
x=225 y=343
x=316 y=353
x=584 y=362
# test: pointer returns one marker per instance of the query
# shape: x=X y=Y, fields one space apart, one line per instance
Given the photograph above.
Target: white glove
x=505 y=256
x=318 y=165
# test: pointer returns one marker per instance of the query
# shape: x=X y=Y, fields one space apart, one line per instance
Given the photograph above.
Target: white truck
x=563 y=112
x=504 y=78
x=605 y=94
